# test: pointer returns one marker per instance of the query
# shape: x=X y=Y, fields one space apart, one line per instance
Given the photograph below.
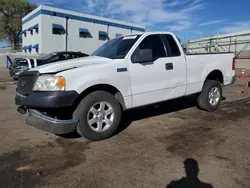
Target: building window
x=58 y=29
x=84 y=33
x=24 y=32
x=25 y=49
x=118 y=35
x=36 y=47
x=103 y=35
x=31 y=30
x=29 y=48
x=36 y=28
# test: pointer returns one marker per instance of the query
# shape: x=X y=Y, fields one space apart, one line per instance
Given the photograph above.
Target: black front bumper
x=38 y=103
x=46 y=99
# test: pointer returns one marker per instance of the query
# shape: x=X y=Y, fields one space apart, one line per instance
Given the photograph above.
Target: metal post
x=7 y=61
x=66 y=37
x=108 y=31
x=210 y=45
x=236 y=41
x=230 y=44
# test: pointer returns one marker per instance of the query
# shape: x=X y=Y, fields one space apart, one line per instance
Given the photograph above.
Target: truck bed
x=213 y=53
x=198 y=65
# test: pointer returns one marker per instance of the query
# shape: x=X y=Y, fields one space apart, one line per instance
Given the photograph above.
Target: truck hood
x=71 y=64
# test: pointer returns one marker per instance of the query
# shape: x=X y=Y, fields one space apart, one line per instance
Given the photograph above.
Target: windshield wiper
x=118 y=57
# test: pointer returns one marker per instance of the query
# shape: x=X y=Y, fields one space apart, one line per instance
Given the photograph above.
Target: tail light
x=233 y=64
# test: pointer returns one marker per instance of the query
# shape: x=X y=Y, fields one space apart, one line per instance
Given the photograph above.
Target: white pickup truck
x=89 y=94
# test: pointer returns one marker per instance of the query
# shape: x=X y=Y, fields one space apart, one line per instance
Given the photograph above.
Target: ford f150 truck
x=89 y=94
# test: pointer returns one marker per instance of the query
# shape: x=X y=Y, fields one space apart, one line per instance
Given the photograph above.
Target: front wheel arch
x=101 y=87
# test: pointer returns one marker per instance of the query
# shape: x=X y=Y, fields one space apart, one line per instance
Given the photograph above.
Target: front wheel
x=210 y=96
x=99 y=116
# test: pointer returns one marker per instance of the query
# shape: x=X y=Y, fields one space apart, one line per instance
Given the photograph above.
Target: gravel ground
x=4 y=75
x=148 y=153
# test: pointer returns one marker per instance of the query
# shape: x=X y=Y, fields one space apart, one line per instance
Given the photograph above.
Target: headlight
x=50 y=83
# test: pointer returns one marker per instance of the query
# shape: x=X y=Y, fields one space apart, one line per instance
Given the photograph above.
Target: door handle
x=169 y=66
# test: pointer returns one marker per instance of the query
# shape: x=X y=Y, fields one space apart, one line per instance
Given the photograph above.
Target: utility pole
x=103 y=5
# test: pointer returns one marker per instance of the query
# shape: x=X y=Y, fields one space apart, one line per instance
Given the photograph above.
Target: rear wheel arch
x=216 y=75
x=208 y=99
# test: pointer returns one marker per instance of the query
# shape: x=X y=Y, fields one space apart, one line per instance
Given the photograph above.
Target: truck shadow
x=156 y=109
x=148 y=111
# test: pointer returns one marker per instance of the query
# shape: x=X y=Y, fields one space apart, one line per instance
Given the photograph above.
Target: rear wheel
x=99 y=116
x=211 y=95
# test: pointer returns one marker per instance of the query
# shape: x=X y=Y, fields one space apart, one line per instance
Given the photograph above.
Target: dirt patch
x=2 y=87
x=190 y=141
x=222 y=158
x=5 y=85
x=30 y=166
x=204 y=130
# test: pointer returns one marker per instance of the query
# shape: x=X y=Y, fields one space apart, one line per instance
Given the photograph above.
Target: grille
x=26 y=82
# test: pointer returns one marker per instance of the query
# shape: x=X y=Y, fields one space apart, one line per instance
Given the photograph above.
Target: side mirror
x=143 y=56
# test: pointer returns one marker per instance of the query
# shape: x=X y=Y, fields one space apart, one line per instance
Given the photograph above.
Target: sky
x=189 y=19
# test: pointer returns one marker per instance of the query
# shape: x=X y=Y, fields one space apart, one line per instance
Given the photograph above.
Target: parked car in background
x=23 y=64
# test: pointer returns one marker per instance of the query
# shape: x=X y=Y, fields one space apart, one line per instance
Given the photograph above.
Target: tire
x=83 y=112
x=203 y=99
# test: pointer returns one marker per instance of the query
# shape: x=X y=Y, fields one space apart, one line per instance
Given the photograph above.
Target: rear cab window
x=171 y=45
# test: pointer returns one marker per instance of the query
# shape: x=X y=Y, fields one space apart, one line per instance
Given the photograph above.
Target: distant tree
x=11 y=14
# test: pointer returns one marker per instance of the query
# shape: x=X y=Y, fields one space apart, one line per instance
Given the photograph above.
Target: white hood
x=70 y=64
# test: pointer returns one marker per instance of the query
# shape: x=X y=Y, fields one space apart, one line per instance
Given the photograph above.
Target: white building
x=48 y=29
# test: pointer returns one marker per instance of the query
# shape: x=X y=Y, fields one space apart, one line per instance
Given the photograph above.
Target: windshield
x=18 y=62
x=46 y=57
x=117 y=48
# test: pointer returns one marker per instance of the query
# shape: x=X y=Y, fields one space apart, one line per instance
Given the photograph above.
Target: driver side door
x=149 y=80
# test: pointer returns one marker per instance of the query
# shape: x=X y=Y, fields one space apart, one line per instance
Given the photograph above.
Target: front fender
x=122 y=87
x=81 y=79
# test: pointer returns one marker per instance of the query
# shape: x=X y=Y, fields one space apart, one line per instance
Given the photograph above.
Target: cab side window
x=153 y=42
